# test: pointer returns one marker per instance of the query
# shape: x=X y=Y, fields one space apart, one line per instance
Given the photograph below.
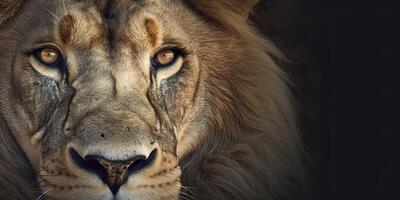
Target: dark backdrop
x=344 y=62
x=359 y=118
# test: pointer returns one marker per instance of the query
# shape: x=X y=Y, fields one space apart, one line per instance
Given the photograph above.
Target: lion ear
x=8 y=8
x=215 y=7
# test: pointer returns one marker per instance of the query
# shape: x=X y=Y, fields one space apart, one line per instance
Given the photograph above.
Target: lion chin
x=143 y=100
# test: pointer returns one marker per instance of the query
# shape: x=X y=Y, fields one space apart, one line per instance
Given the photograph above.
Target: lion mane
x=257 y=117
x=17 y=176
x=252 y=148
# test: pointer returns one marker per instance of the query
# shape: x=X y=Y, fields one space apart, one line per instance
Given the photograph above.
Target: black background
x=359 y=116
x=344 y=62
x=359 y=112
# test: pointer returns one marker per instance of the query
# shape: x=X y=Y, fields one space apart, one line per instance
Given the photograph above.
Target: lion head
x=143 y=99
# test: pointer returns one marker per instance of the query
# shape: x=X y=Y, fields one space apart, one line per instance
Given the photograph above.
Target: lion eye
x=49 y=56
x=167 y=62
x=165 y=58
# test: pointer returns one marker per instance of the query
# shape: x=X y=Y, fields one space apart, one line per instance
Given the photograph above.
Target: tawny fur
x=251 y=148
x=260 y=155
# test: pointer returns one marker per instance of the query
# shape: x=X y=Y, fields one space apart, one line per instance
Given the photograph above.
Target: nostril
x=90 y=165
x=141 y=163
x=113 y=173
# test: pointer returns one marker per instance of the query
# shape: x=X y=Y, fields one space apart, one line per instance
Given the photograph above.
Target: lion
x=144 y=99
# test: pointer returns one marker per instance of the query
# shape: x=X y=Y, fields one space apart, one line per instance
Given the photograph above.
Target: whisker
x=187 y=187
x=187 y=191
x=183 y=197
x=55 y=16
x=185 y=194
x=43 y=195
x=179 y=197
x=65 y=8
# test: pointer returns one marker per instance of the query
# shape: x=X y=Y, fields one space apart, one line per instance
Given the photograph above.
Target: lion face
x=106 y=91
x=144 y=99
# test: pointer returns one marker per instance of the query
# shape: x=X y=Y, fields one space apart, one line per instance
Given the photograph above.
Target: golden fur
x=248 y=144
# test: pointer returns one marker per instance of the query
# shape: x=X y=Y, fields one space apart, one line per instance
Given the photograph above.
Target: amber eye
x=165 y=58
x=49 y=56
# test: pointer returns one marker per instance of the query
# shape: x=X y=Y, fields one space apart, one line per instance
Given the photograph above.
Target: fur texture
x=8 y=9
x=238 y=140
x=16 y=173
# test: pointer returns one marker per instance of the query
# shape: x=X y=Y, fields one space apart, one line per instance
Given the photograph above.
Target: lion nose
x=116 y=171
x=113 y=172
